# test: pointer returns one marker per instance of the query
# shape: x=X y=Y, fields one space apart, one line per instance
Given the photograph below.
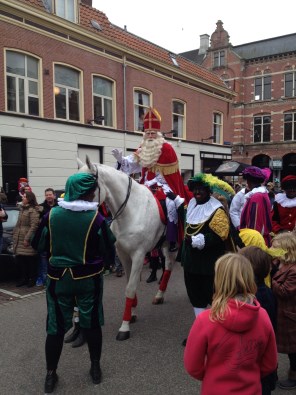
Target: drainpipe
x=124 y=93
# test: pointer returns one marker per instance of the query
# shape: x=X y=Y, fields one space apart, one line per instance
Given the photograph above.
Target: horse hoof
x=123 y=335
x=157 y=301
x=133 y=319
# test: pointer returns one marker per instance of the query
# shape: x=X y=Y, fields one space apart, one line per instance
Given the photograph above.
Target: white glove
x=117 y=154
x=198 y=241
x=151 y=182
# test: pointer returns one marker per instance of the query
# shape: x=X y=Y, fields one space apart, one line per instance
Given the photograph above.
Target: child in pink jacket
x=232 y=345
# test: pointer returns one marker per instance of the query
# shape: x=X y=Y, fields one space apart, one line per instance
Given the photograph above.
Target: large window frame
x=67 y=95
x=290 y=84
x=217 y=134
x=262 y=128
x=22 y=83
x=178 y=118
x=66 y=9
x=103 y=101
x=290 y=126
x=142 y=103
x=262 y=87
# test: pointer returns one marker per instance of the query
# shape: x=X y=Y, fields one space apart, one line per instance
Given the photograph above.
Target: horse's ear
x=91 y=167
x=80 y=163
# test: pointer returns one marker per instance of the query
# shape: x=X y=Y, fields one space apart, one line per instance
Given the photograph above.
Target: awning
x=230 y=168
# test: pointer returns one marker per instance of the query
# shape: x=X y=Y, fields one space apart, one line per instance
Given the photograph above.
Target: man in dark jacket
x=3 y=218
x=49 y=202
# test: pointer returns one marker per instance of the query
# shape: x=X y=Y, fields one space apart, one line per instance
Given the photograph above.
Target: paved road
x=149 y=363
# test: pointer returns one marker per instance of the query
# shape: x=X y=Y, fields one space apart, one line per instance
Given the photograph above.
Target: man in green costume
x=78 y=241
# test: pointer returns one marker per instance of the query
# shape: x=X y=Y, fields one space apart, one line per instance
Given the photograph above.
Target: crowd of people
x=237 y=247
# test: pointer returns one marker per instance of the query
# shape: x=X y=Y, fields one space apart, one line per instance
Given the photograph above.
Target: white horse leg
x=131 y=297
x=169 y=259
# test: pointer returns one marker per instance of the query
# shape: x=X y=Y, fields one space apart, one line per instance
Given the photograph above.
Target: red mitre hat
x=152 y=120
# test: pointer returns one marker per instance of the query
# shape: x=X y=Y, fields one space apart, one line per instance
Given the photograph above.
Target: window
x=22 y=77
x=217 y=128
x=263 y=88
x=67 y=93
x=142 y=104
x=219 y=58
x=66 y=9
x=262 y=127
x=290 y=84
x=103 y=101
x=178 y=118
x=290 y=126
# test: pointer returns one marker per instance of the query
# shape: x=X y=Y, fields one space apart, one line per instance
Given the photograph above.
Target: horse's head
x=92 y=168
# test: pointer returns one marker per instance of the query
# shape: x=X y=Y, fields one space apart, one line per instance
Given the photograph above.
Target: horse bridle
x=123 y=205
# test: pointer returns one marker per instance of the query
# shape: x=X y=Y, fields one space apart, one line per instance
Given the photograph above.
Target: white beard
x=150 y=151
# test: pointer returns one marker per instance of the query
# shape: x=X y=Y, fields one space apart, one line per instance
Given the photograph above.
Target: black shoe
x=287 y=384
x=184 y=342
x=79 y=341
x=151 y=278
x=95 y=372
x=21 y=283
x=73 y=335
x=31 y=283
x=50 y=382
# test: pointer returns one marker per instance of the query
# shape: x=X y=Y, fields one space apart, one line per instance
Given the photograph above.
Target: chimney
x=204 y=43
x=87 y=2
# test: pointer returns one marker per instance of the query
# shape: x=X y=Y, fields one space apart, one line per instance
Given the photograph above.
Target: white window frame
x=261 y=127
x=104 y=98
x=66 y=9
x=217 y=128
x=180 y=131
x=264 y=91
x=26 y=80
x=293 y=83
x=58 y=86
x=140 y=109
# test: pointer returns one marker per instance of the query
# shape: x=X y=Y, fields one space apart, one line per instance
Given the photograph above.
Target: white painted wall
x=52 y=148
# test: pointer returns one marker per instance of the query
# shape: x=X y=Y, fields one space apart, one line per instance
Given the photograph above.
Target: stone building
x=263 y=113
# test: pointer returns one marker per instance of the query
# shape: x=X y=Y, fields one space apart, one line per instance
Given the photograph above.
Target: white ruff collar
x=260 y=189
x=78 y=205
x=281 y=198
x=199 y=213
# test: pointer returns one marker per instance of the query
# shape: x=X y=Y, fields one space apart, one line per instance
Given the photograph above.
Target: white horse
x=138 y=228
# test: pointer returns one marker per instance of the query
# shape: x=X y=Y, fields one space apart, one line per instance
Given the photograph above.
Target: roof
x=254 y=50
x=135 y=43
x=268 y=47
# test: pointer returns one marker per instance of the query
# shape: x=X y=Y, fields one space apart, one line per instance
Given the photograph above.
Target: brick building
x=263 y=113
x=74 y=83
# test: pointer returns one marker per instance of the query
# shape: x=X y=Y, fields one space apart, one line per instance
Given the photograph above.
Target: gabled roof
x=135 y=43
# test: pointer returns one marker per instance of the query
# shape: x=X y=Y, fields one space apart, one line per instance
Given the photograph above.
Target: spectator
x=49 y=202
x=261 y=262
x=232 y=344
x=284 y=288
x=3 y=218
x=26 y=256
x=3 y=197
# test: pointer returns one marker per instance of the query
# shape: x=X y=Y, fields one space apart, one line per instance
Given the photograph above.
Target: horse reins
x=122 y=207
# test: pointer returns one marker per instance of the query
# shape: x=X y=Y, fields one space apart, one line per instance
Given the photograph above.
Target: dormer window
x=66 y=9
x=219 y=58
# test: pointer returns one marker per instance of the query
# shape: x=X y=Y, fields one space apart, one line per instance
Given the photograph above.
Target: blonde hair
x=286 y=241
x=233 y=276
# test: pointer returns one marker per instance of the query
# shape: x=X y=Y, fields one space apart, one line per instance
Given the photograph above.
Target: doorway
x=14 y=165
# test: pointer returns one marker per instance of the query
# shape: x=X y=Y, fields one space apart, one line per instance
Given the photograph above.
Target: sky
x=176 y=25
